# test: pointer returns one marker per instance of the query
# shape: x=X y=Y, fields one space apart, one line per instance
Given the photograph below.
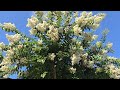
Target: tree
x=62 y=46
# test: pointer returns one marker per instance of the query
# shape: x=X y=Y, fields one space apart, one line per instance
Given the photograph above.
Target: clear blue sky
x=112 y=22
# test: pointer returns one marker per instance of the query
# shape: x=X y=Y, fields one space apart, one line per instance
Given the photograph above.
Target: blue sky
x=112 y=22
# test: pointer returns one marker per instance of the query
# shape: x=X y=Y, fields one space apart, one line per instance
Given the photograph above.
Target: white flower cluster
x=53 y=33
x=77 y=30
x=6 y=60
x=72 y=70
x=40 y=42
x=109 y=45
x=81 y=49
x=114 y=71
x=33 y=31
x=2 y=45
x=87 y=36
x=98 y=44
x=9 y=26
x=4 y=68
x=103 y=51
x=13 y=38
x=84 y=56
x=10 y=53
x=66 y=29
x=94 y=37
x=78 y=43
x=75 y=58
x=90 y=64
x=6 y=76
x=99 y=17
x=89 y=20
x=42 y=26
x=51 y=56
x=32 y=22
x=75 y=13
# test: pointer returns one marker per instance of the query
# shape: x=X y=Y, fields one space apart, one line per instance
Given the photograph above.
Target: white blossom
x=90 y=64
x=6 y=76
x=66 y=29
x=2 y=45
x=89 y=14
x=33 y=31
x=40 y=42
x=99 y=17
x=84 y=56
x=72 y=70
x=75 y=59
x=52 y=56
x=81 y=48
x=76 y=14
x=42 y=26
x=79 y=20
x=98 y=44
x=109 y=45
x=32 y=22
x=97 y=20
x=104 y=51
x=53 y=33
x=94 y=37
x=9 y=26
x=10 y=52
x=114 y=71
x=4 y=68
x=13 y=38
x=95 y=26
x=77 y=30
x=78 y=43
x=6 y=60
x=84 y=13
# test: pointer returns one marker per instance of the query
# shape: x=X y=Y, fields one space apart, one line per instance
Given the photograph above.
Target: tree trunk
x=53 y=71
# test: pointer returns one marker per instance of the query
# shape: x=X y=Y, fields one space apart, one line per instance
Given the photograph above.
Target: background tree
x=62 y=46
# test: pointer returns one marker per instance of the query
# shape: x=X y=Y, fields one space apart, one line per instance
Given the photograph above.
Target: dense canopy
x=63 y=45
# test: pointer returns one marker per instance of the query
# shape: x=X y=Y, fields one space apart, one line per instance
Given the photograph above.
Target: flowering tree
x=62 y=46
